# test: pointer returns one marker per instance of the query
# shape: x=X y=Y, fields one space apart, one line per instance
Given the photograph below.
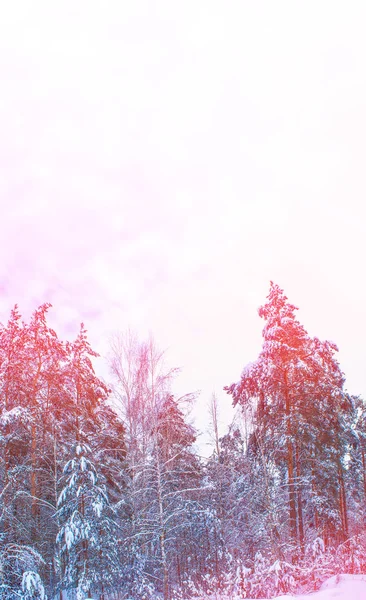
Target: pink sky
x=161 y=162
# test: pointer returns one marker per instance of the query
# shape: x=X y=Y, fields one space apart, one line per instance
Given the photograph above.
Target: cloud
x=161 y=163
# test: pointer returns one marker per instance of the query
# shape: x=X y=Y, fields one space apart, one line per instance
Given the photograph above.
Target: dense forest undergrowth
x=103 y=493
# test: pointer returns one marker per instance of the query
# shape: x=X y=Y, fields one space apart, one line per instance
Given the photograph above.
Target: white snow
x=351 y=587
x=341 y=587
x=16 y=413
x=32 y=586
x=338 y=587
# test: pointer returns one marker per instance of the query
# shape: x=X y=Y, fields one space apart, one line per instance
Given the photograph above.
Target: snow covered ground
x=339 y=587
x=342 y=587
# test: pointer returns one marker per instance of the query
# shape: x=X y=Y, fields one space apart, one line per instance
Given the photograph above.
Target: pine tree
x=356 y=472
x=50 y=401
x=84 y=500
x=31 y=355
x=84 y=528
x=296 y=389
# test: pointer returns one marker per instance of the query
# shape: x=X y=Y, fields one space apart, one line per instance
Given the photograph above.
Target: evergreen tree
x=300 y=410
x=95 y=436
x=50 y=401
x=31 y=355
x=84 y=528
x=356 y=471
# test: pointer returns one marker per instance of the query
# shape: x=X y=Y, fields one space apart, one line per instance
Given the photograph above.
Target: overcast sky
x=162 y=161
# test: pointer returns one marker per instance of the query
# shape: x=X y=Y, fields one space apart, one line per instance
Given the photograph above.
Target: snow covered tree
x=19 y=568
x=174 y=475
x=84 y=527
x=300 y=418
x=356 y=471
x=31 y=359
x=162 y=464
x=32 y=587
x=95 y=436
x=50 y=399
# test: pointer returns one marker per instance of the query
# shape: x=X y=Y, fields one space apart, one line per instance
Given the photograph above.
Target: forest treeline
x=103 y=493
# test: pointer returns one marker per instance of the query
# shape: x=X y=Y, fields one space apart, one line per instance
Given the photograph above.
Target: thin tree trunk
x=299 y=502
x=34 y=460
x=292 y=493
x=290 y=469
x=313 y=489
x=34 y=486
x=85 y=545
x=342 y=502
x=364 y=468
x=33 y=471
x=164 y=561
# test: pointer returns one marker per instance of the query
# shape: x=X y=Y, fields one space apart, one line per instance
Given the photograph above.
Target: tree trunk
x=292 y=492
x=299 y=503
x=342 y=502
x=34 y=486
x=290 y=468
x=364 y=468
x=313 y=491
x=164 y=561
x=34 y=459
